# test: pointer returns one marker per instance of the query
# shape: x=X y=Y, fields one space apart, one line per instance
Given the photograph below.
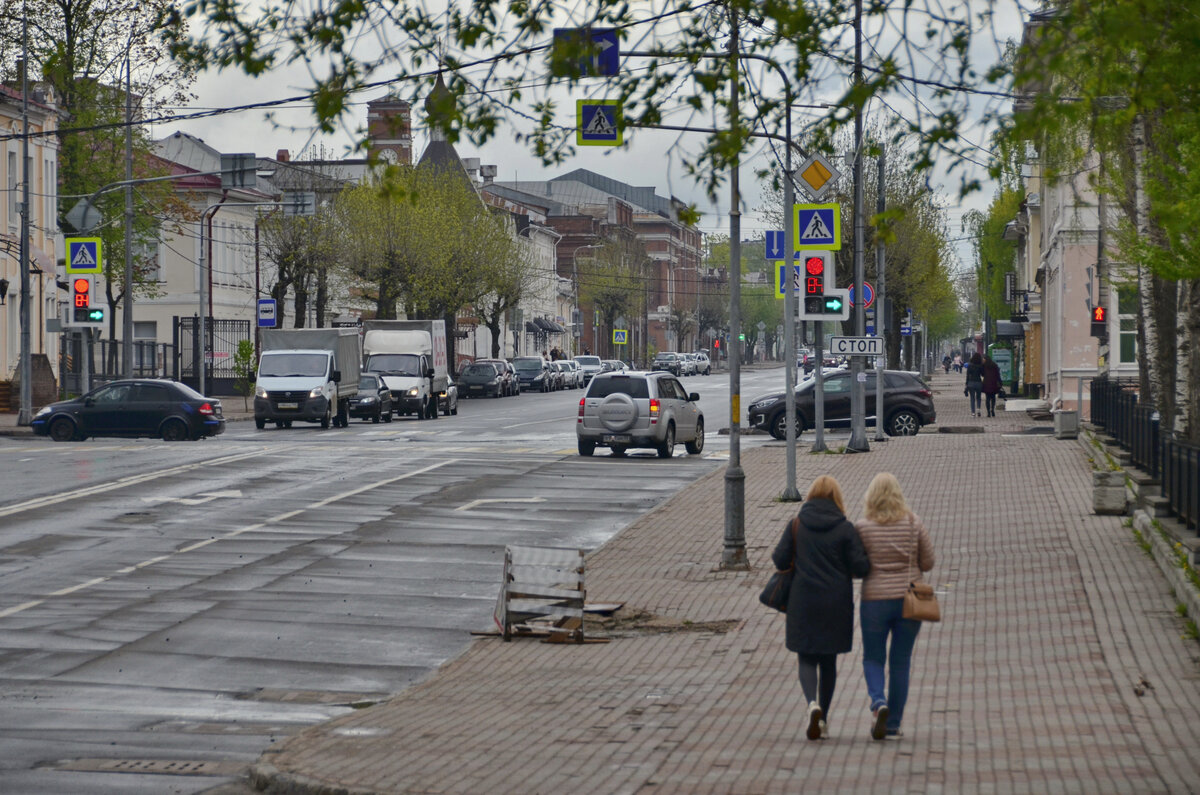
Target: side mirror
x=337 y=376
x=694 y=397
x=89 y=401
x=429 y=373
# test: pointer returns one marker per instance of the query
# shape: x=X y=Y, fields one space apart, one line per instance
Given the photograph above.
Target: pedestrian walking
x=946 y=363
x=957 y=362
x=974 y=385
x=820 y=616
x=991 y=384
x=898 y=547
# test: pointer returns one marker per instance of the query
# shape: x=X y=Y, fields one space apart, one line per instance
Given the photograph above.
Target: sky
x=652 y=158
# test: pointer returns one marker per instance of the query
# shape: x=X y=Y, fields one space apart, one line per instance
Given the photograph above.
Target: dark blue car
x=140 y=407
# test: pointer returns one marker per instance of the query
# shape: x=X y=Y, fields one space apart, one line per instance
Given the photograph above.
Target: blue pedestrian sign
x=83 y=255
x=620 y=336
x=598 y=122
x=598 y=49
x=266 y=313
x=817 y=226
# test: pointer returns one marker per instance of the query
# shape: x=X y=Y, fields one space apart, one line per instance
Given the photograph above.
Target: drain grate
x=170 y=767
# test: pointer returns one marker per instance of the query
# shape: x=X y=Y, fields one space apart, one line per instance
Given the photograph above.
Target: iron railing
x=1181 y=480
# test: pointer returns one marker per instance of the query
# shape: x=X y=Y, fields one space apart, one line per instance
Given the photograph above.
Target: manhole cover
x=170 y=767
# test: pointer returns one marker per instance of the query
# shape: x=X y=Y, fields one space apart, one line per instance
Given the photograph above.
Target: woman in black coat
x=820 y=615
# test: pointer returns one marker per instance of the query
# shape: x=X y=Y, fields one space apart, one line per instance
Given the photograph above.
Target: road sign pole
x=790 y=492
x=880 y=314
x=858 y=419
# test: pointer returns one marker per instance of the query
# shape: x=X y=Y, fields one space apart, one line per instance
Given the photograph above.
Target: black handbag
x=775 y=594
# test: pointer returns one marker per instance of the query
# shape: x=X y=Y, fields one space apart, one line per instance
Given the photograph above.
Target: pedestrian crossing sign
x=83 y=255
x=817 y=226
x=598 y=122
x=620 y=336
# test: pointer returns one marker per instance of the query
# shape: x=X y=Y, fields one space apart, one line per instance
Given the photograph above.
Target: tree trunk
x=322 y=295
x=1187 y=376
x=493 y=325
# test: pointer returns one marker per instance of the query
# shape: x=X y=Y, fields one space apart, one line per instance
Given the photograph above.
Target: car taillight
x=924 y=393
x=653 y=410
x=206 y=408
x=580 y=410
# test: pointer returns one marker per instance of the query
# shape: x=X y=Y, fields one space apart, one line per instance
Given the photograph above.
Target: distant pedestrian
x=946 y=362
x=991 y=384
x=958 y=362
x=820 y=616
x=974 y=385
x=899 y=548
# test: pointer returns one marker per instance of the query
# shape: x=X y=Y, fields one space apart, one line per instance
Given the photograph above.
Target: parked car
x=703 y=365
x=481 y=379
x=590 y=365
x=534 y=373
x=373 y=401
x=669 y=362
x=614 y=366
x=574 y=374
x=558 y=377
x=448 y=399
x=139 y=407
x=508 y=374
x=687 y=363
x=624 y=410
x=907 y=404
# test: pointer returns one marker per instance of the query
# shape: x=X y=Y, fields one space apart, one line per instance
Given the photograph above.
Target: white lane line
x=488 y=501
x=540 y=422
x=87 y=491
x=231 y=534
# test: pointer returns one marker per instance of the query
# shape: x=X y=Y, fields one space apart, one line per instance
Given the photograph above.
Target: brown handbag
x=920 y=602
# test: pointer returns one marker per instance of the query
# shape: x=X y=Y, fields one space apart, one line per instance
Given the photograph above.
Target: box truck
x=306 y=374
x=412 y=356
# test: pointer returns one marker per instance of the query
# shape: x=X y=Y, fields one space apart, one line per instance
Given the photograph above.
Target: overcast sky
x=652 y=158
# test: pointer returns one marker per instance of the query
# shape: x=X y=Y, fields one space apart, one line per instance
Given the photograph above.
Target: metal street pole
x=734 y=554
x=880 y=315
x=790 y=492
x=858 y=419
x=25 y=412
x=127 y=308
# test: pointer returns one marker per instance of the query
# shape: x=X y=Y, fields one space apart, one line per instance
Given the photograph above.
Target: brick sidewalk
x=1004 y=699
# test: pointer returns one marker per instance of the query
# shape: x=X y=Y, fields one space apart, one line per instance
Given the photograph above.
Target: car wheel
x=388 y=417
x=696 y=446
x=327 y=420
x=904 y=423
x=586 y=447
x=667 y=448
x=174 y=431
x=378 y=416
x=260 y=424
x=62 y=430
x=454 y=407
x=618 y=451
x=287 y=423
x=778 y=427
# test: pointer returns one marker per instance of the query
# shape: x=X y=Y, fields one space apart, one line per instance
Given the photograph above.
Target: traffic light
x=1099 y=322
x=817 y=268
x=82 y=309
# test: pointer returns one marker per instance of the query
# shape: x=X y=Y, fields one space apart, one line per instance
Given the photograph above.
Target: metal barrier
x=1181 y=480
x=1144 y=443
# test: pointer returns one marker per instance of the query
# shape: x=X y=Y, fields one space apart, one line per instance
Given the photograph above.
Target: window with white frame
x=1127 y=304
x=13 y=199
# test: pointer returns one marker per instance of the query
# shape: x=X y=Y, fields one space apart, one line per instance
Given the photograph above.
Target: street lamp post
x=575 y=290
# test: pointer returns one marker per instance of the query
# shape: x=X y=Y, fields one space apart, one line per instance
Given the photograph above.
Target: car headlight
x=760 y=405
x=260 y=392
x=315 y=392
x=367 y=399
x=414 y=391
x=45 y=410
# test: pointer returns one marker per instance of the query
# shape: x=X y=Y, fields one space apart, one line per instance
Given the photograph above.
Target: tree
x=513 y=273
x=81 y=50
x=243 y=371
x=612 y=280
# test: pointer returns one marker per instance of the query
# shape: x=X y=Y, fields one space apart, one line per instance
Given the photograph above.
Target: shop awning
x=531 y=328
x=1006 y=329
x=543 y=324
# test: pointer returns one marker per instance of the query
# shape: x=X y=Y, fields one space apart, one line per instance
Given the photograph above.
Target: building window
x=13 y=199
x=1127 y=304
x=145 y=335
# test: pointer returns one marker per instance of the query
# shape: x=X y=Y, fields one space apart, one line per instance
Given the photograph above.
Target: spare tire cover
x=617 y=412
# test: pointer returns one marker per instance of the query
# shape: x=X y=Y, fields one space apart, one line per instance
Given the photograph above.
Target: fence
x=223 y=338
x=1135 y=427
x=104 y=363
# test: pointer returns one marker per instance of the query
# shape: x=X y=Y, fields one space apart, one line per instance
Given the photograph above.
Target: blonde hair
x=826 y=488
x=884 y=501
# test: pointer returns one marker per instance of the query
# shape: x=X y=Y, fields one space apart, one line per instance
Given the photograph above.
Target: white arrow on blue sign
x=605 y=58
x=775 y=243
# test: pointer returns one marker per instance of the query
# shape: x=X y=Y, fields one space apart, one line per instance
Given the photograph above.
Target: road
x=168 y=611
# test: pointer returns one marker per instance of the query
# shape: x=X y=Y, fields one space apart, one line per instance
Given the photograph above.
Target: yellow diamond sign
x=817 y=175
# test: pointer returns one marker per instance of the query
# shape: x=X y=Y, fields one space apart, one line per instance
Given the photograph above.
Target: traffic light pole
x=858 y=415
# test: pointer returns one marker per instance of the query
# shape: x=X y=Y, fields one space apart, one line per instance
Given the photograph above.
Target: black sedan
x=141 y=407
x=480 y=380
x=907 y=404
x=373 y=401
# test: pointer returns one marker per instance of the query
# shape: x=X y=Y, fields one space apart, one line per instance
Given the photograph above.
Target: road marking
x=231 y=534
x=475 y=503
x=540 y=422
x=87 y=491
x=200 y=499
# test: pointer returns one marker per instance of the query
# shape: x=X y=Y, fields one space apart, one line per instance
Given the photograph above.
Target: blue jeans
x=975 y=392
x=878 y=619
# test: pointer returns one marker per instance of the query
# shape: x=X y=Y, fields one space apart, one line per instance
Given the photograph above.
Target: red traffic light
x=815 y=265
x=1098 y=314
x=716 y=343
x=81 y=292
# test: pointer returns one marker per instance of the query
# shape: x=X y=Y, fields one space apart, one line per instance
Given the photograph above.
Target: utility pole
x=858 y=414
x=127 y=303
x=25 y=412
x=880 y=315
x=734 y=553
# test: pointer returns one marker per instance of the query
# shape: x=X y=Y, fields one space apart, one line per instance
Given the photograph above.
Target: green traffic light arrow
x=833 y=304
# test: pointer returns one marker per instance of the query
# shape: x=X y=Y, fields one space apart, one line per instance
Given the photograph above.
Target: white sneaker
x=814 y=721
x=824 y=729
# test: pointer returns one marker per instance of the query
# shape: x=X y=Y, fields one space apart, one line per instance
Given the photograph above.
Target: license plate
x=289 y=405
x=476 y=389
x=618 y=439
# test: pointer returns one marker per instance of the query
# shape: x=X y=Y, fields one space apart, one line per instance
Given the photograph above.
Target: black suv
x=907 y=404
x=668 y=361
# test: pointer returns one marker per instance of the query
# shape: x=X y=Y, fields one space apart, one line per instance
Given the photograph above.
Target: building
x=45 y=242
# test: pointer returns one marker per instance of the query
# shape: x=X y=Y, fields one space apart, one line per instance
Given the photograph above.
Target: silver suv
x=624 y=410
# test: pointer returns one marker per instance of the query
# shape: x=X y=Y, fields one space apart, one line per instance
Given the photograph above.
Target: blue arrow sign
x=604 y=59
x=775 y=243
x=598 y=122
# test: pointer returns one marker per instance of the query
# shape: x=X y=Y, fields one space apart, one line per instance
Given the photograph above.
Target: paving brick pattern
x=1034 y=698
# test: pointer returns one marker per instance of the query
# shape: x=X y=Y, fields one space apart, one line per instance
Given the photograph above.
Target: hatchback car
x=141 y=407
x=624 y=410
x=614 y=366
x=572 y=374
x=373 y=401
x=508 y=375
x=907 y=404
x=703 y=365
x=481 y=380
x=668 y=361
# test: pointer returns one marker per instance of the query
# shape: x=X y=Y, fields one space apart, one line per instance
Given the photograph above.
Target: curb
x=1165 y=557
x=268 y=778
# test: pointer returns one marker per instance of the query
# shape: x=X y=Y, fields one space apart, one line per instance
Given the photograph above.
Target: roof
x=644 y=197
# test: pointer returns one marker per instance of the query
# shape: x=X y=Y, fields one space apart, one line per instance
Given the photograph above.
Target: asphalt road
x=167 y=611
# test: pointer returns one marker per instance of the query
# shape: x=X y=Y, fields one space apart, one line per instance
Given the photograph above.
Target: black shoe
x=879 y=726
